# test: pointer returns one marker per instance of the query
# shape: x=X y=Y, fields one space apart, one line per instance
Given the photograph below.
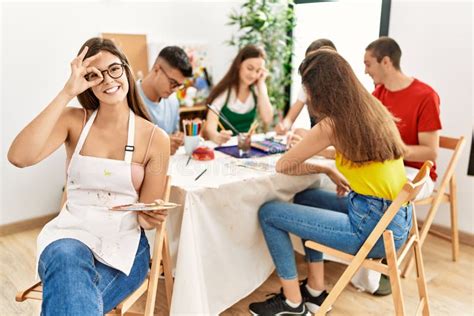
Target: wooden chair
x=160 y=263
x=407 y=194
x=442 y=195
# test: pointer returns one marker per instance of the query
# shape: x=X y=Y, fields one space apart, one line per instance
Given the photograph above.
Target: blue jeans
x=343 y=223
x=75 y=283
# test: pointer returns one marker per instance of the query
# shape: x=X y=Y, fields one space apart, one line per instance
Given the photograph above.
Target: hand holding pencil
x=223 y=137
x=224 y=134
x=283 y=126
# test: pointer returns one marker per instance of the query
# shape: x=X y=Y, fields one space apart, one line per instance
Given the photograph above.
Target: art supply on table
x=203 y=153
x=252 y=128
x=235 y=152
x=197 y=178
x=256 y=165
x=243 y=143
x=192 y=130
x=269 y=146
x=192 y=127
x=141 y=207
x=191 y=143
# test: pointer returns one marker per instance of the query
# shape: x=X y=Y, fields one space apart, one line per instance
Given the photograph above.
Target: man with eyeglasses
x=157 y=89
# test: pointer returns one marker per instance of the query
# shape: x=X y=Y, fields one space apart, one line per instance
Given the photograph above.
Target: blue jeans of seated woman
x=343 y=223
x=75 y=283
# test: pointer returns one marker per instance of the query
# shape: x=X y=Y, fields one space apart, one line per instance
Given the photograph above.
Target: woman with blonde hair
x=369 y=166
x=89 y=257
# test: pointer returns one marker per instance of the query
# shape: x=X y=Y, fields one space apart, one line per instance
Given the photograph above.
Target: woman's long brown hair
x=231 y=78
x=363 y=129
x=87 y=98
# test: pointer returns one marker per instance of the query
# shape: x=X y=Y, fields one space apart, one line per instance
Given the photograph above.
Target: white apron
x=93 y=186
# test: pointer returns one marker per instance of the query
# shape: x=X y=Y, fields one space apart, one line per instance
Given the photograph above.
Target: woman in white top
x=89 y=257
x=285 y=125
x=240 y=95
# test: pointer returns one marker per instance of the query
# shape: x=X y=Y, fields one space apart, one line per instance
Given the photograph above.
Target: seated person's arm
x=427 y=148
x=177 y=137
x=293 y=161
x=153 y=186
x=284 y=126
x=42 y=136
x=329 y=153
x=299 y=134
x=264 y=107
x=210 y=130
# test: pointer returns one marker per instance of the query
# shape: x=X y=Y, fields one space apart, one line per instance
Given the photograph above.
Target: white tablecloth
x=216 y=242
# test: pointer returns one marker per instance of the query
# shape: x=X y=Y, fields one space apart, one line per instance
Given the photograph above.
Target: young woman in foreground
x=89 y=257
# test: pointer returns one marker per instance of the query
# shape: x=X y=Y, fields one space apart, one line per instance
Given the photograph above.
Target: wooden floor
x=450 y=284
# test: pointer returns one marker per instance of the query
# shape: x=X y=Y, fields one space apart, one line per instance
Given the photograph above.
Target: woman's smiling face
x=110 y=90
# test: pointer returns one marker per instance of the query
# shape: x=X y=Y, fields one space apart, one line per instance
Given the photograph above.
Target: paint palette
x=141 y=207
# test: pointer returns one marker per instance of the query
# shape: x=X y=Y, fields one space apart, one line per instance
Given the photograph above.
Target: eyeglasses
x=114 y=71
x=173 y=83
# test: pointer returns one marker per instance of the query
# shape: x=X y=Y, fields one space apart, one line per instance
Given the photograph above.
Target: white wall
x=337 y=21
x=39 y=39
x=436 y=40
x=2 y=154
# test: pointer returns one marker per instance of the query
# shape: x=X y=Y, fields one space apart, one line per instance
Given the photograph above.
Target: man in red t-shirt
x=413 y=102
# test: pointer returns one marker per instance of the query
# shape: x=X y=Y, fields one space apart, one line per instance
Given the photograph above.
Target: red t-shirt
x=417 y=107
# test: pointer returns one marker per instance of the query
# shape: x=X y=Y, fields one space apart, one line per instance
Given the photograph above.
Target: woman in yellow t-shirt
x=369 y=167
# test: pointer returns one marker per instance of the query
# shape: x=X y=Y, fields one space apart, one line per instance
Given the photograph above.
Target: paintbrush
x=223 y=118
x=252 y=128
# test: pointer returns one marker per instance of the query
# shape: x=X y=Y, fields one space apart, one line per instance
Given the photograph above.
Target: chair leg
x=167 y=264
x=154 y=271
x=454 y=218
x=408 y=265
x=344 y=279
x=395 y=282
x=420 y=275
x=429 y=220
x=409 y=261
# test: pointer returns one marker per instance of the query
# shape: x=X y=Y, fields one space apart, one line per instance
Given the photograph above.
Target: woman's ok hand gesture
x=77 y=82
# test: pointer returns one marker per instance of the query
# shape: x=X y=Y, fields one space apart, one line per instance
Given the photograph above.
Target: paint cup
x=243 y=143
x=191 y=143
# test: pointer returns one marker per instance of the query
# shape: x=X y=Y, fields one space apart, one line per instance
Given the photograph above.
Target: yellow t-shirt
x=379 y=179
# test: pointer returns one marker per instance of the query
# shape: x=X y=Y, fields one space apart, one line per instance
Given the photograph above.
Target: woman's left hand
x=342 y=186
x=152 y=219
x=262 y=77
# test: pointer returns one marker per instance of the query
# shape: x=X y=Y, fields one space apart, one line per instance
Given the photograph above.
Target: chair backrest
x=456 y=145
x=407 y=194
x=419 y=180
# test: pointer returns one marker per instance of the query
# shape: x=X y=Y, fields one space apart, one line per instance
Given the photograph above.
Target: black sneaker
x=312 y=302
x=276 y=305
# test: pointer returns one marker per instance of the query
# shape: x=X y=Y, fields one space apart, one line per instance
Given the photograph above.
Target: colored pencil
x=200 y=174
